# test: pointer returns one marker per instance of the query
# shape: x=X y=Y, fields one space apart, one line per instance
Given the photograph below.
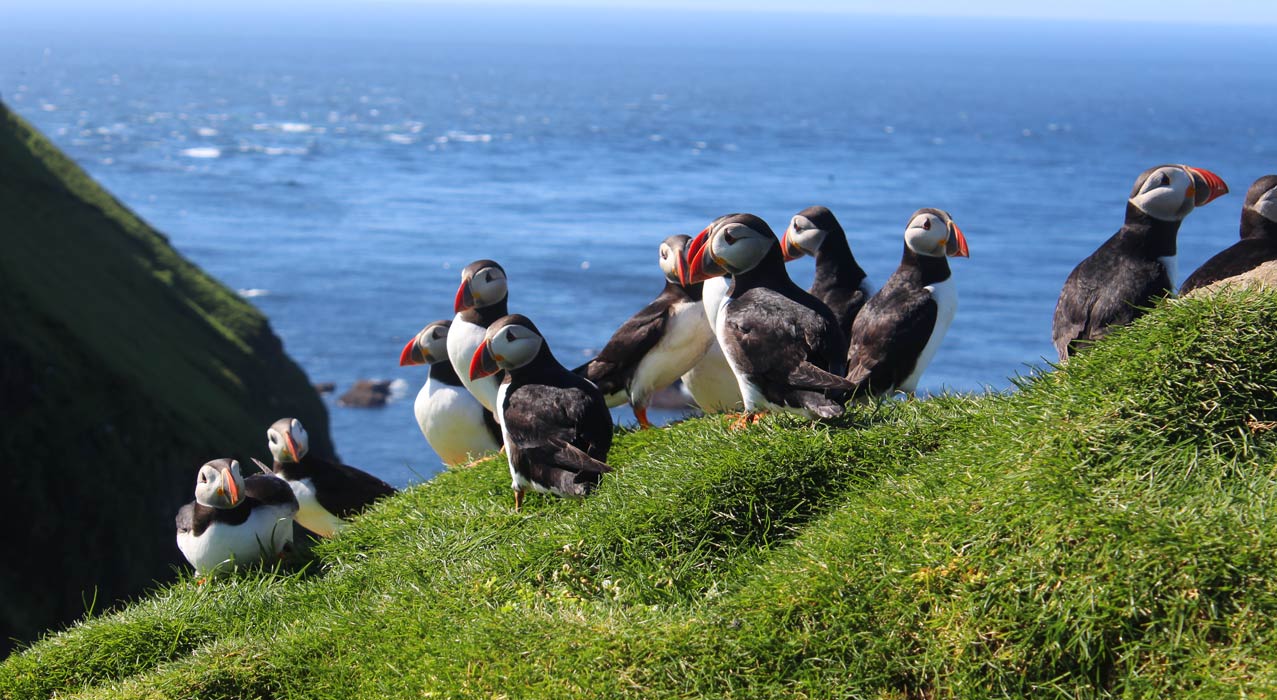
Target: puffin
x=782 y=344
x=711 y=382
x=840 y=282
x=657 y=345
x=555 y=424
x=233 y=520
x=897 y=333
x=1258 y=243
x=1136 y=266
x=455 y=424
x=327 y=493
x=481 y=299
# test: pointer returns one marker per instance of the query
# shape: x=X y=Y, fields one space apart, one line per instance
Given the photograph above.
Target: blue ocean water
x=341 y=166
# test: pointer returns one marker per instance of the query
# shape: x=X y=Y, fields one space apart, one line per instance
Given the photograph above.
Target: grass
x=1103 y=531
x=123 y=367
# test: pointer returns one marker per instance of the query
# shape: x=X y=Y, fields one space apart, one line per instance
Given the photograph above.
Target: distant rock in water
x=366 y=393
x=1262 y=277
x=123 y=368
x=325 y=387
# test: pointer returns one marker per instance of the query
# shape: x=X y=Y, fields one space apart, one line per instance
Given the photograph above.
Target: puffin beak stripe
x=681 y=268
x=411 y=355
x=483 y=364
x=1208 y=185
x=788 y=249
x=465 y=298
x=230 y=486
x=956 y=247
x=696 y=258
x=292 y=446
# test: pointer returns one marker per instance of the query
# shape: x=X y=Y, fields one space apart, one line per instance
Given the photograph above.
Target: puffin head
x=287 y=440
x=807 y=231
x=219 y=484
x=931 y=232
x=731 y=245
x=674 y=258
x=483 y=283
x=1170 y=192
x=511 y=342
x=428 y=347
x=1261 y=198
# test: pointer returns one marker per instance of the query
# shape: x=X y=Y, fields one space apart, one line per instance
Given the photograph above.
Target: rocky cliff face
x=123 y=367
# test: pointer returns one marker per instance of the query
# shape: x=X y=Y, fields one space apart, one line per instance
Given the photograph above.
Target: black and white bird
x=327 y=493
x=897 y=333
x=1136 y=266
x=783 y=344
x=840 y=282
x=455 y=424
x=234 y=521
x=658 y=344
x=481 y=299
x=555 y=424
x=1258 y=243
x=711 y=382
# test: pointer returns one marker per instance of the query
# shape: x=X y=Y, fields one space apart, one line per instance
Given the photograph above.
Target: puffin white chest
x=713 y=297
x=310 y=514
x=463 y=339
x=683 y=343
x=265 y=533
x=945 y=295
x=451 y=418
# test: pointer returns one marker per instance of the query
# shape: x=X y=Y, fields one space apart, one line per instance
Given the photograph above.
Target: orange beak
x=957 y=245
x=230 y=486
x=483 y=364
x=696 y=258
x=465 y=298
x=411 y=355
x=680 y=267
x=791 y=252
x=292 y=446
x=1208 y=185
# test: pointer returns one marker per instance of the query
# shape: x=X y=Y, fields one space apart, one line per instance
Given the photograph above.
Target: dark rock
x=326 y=387
x=366 y=393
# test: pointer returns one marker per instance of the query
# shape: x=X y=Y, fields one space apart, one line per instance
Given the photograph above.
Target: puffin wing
x=564 y=428
x=344 y=490
x=895 y=324
x=186 y=518
x=1242 y=256
x=612 y=370
x=269 y=490
x=1098 y=296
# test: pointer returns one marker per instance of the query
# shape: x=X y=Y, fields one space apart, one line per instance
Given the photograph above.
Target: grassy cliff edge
x=1104 y=531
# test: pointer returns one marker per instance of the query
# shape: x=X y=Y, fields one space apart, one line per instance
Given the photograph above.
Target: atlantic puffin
x=234 y=520
x=840 y=282
x=1136 y=266
x=481 y=299
x=455 y=424
x=327 y=493
x=783 y=344
x=658 y=344
x=1258 y=243
x=711 y=382
x=896 y=334
x=555 y=424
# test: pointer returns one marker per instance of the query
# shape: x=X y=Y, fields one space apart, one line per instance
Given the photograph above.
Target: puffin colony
x=731 y=325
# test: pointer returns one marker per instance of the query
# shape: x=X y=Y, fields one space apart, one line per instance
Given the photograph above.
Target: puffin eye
x=665 y=253
x=1164 y=180
x=509 y=335
x=926 y=224
x=729 y=238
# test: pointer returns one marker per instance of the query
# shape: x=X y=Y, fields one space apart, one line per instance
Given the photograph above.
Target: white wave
x=464 y=137
x=206 y=131
x=251 y=293
x=295 y=127
x=400 y=138
x=398 y=389
x=202 y=152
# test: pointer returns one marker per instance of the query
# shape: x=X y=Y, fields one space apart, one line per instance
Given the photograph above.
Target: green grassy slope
x=123 y=367
x=1105 y=531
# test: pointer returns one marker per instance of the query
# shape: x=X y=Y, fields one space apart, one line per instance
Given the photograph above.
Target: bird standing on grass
x=481 y=299
x=455 y=424
x=658 y=344
x=1258 y=243
x=555 y=424
x=327 y=493
x=1136 y=266
x=840 y=282
x=234 y=521
x=897 y=333
x=783 y=344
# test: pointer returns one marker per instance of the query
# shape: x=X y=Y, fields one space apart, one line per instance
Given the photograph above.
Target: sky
x=1235 y=12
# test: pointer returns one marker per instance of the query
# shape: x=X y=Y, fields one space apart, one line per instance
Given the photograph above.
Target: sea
x=339 y=165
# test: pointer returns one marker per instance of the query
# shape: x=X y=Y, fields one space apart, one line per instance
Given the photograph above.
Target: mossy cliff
x=123 y=367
